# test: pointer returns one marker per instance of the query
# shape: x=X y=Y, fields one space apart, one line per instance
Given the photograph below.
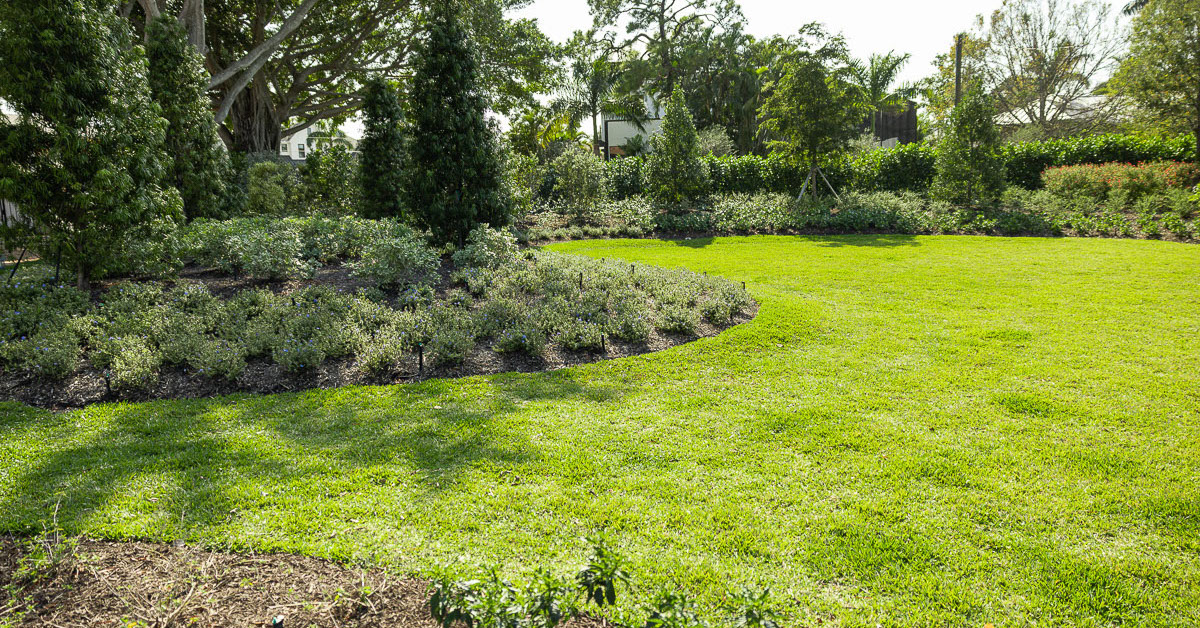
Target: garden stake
x=420 y=358
x=18 y=265
x=581 y=281
x=603 y=344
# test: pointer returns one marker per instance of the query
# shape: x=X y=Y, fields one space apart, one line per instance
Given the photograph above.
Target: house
x=616 y=132
x=299 y=145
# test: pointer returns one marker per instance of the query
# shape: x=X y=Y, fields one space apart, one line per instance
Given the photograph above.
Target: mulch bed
x=262 y=376
x=120 y=584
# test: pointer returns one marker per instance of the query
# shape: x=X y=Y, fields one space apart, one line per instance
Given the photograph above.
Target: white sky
x=922 y=29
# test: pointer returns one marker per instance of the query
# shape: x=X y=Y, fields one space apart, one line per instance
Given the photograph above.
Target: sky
x=922 y=29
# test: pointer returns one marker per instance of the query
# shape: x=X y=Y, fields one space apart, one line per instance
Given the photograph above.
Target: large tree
x=970 y=166
x=1162 y=70
x=654 y=29
x=592 y=87
x=178 y=82
x=85 y=161
x=280 y=66
x=455 y=179
x=815 y=108
x=1044 y=58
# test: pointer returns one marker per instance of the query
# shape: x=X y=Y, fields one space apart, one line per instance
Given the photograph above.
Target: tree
x=970 y=166
x=1162 y=70
x=814 y=109
x=938 y=90
x=592 y=89
x=280 y=67
x=674 y=172
x=85 y=161
x=656 y=27
x=455 y=177
x=1044 y=57
x=200 y=164
x=382 y=150
x=876 y=77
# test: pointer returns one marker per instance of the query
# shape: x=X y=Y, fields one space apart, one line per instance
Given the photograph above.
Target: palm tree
x=877 y=77
x=592 y=90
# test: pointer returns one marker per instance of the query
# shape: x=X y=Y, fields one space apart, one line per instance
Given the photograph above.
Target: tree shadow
x=694 y=243
x=183 y=467
x=873 y=239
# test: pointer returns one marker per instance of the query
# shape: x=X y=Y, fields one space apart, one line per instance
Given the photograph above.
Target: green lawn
x=914 y=431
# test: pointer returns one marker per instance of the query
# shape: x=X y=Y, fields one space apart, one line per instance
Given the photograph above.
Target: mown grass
x=914 y=431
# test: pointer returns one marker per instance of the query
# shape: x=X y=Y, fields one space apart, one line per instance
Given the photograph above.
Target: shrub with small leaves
x=398 y=257
x=674 y=318
x=579 y=335
x=487 y=248
x=51 y=353
x=135 y=365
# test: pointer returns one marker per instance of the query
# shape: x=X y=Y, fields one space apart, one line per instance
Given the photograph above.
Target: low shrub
x=1131 y=181
x=580 y=335
x=487 y=248
x=398 y=258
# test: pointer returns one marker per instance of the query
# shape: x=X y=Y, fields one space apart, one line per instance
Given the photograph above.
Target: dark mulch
x=119 y=584
x=262 y=376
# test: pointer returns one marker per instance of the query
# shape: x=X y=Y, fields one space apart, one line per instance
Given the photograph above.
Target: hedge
x=910 y=167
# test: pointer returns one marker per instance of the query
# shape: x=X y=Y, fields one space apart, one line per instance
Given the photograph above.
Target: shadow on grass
x=203 y=460
x=880 y=239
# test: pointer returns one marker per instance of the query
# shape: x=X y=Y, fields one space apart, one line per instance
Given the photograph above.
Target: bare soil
x=95 y=583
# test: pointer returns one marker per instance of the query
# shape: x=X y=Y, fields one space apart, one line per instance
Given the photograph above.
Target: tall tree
x=1044 y=58
x=85 y=161
x=937 y=92
x=281 y=66
x=814 y=109
x=1162 y=70
x=877 y=78
x=656 y=27
x=178 y=82
x=970 y=166
x=592 y=86
x=382 y=152
x=674 y=172
x=455 y=173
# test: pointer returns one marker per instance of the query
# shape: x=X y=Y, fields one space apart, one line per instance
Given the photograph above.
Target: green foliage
x=455 y=176
x=1160 y=70
x=382 y=148
x=1025 y=162
x=487 y=248
x=814 y=110
x=398 y=258
x=673 y=170
x=85 y=160
x=713 y=141
x=753 y=609
x=267 y=194
x=329 y=182
x=604 y=572
x=199 y=165
x=579 y=178
x=1130 y=181
x=672 y=609
x=970 y=166
x=134 y=364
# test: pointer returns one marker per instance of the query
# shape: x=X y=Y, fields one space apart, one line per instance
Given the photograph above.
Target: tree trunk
x=254 y=127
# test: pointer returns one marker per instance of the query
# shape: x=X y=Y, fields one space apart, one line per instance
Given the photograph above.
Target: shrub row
x=909 y=167
x=1097 y=182
x=1020 y=212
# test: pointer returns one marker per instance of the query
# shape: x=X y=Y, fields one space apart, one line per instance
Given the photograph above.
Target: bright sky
x=922 y=29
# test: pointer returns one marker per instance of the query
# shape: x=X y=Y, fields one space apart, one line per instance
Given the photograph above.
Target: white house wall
x=620 y=131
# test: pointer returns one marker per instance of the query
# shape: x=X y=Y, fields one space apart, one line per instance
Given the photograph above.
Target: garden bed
x=209 y=332
x=93 y=583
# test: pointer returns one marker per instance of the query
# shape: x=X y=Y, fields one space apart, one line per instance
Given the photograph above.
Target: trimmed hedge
x=910 y=167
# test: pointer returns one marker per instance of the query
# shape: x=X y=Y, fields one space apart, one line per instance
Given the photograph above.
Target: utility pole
x=958 y=45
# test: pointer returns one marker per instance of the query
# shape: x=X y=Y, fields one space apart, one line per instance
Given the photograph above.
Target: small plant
x=134 y=365
x=677 y=319
x=549 y=600
x=753 y=609
x=452 y=600
x=604 y=572
x=672 y=609
x=580 y=335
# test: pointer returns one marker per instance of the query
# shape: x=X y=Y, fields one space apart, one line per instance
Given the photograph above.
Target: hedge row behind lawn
x=1169 y=214
x=910 y=167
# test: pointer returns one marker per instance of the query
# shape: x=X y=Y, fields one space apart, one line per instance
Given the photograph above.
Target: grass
x=914 y=431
